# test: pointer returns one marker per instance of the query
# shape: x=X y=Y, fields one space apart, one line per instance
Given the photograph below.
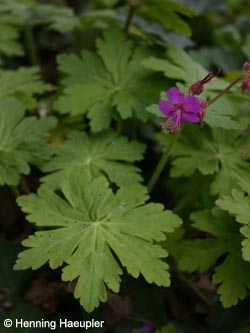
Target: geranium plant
x=126 y=162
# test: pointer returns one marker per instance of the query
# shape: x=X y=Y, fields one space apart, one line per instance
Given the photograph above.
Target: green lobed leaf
x=223 y=251
x=58 y=18
x=103 y=153
x=21 y=141
x=182 y=67
x=88 y=226
x=167 y=12
x=218 y=154
x=239 y=205
x=9 y=45
x=108 y=82
x=23 y=84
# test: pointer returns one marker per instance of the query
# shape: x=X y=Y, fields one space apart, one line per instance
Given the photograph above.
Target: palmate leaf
x=108 y=82
x=23 y=84
x=168 y=13
x=219 y=154
x=103 y=153
x=239 y=205
x=21 y=141
x=182 y=68
x=232 y=272
x=91 y=224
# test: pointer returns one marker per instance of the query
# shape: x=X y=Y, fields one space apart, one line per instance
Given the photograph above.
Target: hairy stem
x=132 y=7
x=24 y=185
x=15 y=191
x=160 y=166
x=225 y=90
x=31 y=46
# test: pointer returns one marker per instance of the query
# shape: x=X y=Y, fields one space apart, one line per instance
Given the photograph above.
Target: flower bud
x=203 y=103
x=246 y=85
x=246 y=69
x=196 y=88
x=203 y=106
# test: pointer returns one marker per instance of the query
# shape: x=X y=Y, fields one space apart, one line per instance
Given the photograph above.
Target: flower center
x=180 y=107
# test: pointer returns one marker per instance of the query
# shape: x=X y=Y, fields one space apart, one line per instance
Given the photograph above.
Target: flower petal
x=166 y=108
x=192 y=104
x=175 y=96
x=190 y=117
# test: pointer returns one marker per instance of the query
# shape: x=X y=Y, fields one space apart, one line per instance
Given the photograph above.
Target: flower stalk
x=31 y=46
x=160 y=166
x=225 y=90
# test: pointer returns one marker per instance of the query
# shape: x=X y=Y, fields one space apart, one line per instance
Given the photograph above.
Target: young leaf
x=184 y=69
x=232 y=272
x=23 y=84
x=89 y=226
x=168 y=13
x=9 y=45
x=58 y=18
x=21 y=141
x=103 y=153
x=219 y=155
x=110 y=81
x=239 y=205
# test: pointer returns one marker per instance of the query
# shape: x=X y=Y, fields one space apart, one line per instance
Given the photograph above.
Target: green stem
x=160 y=166
x=182 y=277
x=15 y=191
x=225 y=90
x=31 y=46
x=24 y=185
x=119 y=125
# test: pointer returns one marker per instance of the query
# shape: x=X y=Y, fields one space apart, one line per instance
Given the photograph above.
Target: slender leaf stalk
x=132 y=8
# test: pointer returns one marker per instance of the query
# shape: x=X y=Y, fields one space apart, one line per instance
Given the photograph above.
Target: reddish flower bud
x=203 y=103
x=246 y=85
x=203 y=106
x=245 y=153
x=246 y=69
x=197 y=87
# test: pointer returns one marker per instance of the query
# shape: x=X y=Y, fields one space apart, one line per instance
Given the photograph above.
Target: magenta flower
x=180 y=108
x=147 y=327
